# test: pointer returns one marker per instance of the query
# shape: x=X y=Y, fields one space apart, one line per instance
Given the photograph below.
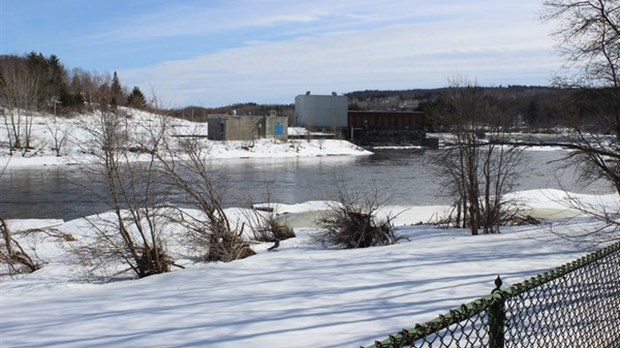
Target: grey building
x=247 y=127
x=321 y=111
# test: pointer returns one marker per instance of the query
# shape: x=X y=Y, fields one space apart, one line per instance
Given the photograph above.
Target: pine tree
x=136 y=99
x=38 y=69
x=116 y=90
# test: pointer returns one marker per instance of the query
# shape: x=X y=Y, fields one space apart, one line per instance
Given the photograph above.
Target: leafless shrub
x=59 y=132
x=188 y=165
x=272 y=229
x=110 y=247
x=227 y=246
x=153 y=260
x=480 y=167
x=352 y=222
x=13 y=255
x=266 y=227
x=604 y=215
x=133 y=233
x=264 y=222
x=51 y=232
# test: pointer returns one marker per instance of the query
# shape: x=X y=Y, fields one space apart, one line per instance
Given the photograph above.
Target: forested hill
x=36 y=82
x=531 y=106
x=534 y=106
x=415 y=99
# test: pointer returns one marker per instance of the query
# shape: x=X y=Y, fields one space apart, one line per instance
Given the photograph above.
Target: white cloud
x=204 y=18
x=415 y=46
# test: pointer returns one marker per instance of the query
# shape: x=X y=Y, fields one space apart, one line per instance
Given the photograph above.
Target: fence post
x=497 y=317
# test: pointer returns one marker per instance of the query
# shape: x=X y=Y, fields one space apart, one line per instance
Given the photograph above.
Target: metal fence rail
x=575 y=305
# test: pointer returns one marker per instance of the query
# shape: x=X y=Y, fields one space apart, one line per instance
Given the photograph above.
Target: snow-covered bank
x=78 y=144
x=304 y=294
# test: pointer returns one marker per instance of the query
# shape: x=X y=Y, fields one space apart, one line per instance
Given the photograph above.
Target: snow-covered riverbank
x=79 y=144
x=304 y=294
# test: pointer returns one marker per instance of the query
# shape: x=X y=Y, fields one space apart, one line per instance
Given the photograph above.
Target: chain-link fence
x=575 y=305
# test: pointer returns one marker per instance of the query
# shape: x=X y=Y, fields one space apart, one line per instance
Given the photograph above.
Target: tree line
x=35 y=82
x=530 y=108
x=38 y=83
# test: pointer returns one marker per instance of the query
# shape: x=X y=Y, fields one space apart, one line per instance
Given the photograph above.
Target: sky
x=219 y=52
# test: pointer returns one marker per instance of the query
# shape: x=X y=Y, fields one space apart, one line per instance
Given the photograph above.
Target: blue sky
x=216 y=52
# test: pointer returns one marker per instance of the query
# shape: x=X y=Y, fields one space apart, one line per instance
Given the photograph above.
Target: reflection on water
x=403 y=175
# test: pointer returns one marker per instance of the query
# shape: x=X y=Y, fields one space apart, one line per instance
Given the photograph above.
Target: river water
x=403 y=176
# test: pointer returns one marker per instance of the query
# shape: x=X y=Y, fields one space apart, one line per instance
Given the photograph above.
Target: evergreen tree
x=57 y=83
x=38 y=69
x=57 y=74
x=57 y=71
x=136 y=99
x=70 y=99
x=115 y=90
x=51 y=77
x=37 y=62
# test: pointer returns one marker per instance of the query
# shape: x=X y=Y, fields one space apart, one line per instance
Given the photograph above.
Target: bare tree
x=188 y=165
x=588 y=36
x=604 y=214
x=59 y=132
x=20 y=89
x=12 y=254
x=93 y=86
x=134 y=236
x=478 y=169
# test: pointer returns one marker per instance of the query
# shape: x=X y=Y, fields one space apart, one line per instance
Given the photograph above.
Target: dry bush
x=153 y=260
x=272 y=230
x=351 y=227
x=135 y=192
x=192 y=171
x=119 y=242
x=352 y=223
x=227 y=246
x=266 y=227
x=263 y=218
x=13 y=255
x=212 y=236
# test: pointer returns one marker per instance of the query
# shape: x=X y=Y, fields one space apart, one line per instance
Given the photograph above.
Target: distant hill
x=199 y=114
x=533 y=106
x=35 y=82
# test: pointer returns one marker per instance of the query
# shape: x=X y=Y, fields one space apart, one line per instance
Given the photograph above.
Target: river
x=403 y=176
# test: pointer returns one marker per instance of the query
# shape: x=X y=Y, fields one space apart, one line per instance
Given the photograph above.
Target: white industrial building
x=321 y=111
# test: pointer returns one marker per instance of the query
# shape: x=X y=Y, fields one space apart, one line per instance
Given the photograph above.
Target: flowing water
x=403 y=176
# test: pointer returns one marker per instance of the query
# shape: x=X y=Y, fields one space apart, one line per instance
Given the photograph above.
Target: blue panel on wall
x=278 y=129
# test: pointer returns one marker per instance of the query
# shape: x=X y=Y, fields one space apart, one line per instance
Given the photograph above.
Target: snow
x=79 y=141
x=304 y=294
